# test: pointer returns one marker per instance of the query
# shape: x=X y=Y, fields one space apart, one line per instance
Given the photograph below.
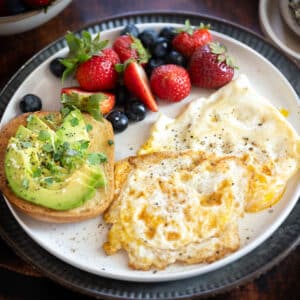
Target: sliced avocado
x=44 y=132
x=25 y=134
x=73 y=128
x=78 y=188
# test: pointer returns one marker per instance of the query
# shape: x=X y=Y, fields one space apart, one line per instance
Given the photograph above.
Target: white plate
x=80 y=244
x=276 y=30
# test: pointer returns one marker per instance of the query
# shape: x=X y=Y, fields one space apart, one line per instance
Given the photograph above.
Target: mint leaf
x=65 y=110
x=96 y=158
x=26 y=144
x=84 y=145
x=48 y=180
x=48 y=147
x=110 y=142
x=37 y=173
x=89 y=127
x=74 y=122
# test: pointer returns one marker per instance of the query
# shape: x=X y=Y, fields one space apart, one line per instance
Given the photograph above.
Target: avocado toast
x=67 y=162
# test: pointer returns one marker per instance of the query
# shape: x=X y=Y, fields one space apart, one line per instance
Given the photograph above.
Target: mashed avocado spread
x=48 y=162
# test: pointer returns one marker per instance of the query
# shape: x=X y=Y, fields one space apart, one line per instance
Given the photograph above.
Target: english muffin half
x=76 y=153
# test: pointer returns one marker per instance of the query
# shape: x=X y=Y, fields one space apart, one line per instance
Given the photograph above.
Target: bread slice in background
x=100 y=134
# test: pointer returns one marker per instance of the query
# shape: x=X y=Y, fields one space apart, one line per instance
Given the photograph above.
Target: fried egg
x=236 y=121
x=176 y=207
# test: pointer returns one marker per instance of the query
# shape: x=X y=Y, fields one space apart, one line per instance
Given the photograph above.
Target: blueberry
x=15 y=7
x=130 y=29
x=121 y=94
x=135 y=110
x=118 y=120
x=30 y=103
x=56 y=67
x=160 y=47
x=148 y=37
x=168 y=33
x=176 y=58
x=153 y=63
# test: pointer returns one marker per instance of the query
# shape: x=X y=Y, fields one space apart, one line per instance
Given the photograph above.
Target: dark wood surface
x=20 y=281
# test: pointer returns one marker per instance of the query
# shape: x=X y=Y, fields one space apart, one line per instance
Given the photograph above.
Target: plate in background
x=31 y=19
x=276 y=30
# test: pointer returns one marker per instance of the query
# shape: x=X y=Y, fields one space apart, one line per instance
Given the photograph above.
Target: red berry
x=189 y=39
x=98 y=73
x=123 y=46
x=184 y=43
x=210 y=67
x=201 y=37
x=170 y=82
x=128 y=46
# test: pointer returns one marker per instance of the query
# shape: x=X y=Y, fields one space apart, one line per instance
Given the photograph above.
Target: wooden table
x=22 y=281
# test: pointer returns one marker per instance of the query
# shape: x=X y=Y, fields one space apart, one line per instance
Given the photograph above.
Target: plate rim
x=165 y=15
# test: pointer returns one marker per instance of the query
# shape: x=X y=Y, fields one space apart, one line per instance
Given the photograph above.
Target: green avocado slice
x=73 y=128
x=77 y=189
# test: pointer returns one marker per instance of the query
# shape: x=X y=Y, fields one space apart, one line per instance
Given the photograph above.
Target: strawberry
x=37 y=3
x=170 y=82
x=128 y=46
x=98 y=73
x=189 y=39
x=136 y=81
x=211 y=67
x=93 y=65
x=95 y=103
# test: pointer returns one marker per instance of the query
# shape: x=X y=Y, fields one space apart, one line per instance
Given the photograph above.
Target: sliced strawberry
x=136 y=81
x=95 y=103
x=128 y=47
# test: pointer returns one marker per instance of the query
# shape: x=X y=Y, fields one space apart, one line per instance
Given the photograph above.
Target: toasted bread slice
x=100 y=134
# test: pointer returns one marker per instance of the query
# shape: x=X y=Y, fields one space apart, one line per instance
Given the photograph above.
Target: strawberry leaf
x=143 y=54
x=222 y=56
x=187 y=28
x=204 y=26
x=90 y=104
x=231 y=62
x=81 y=50
x=217 y=48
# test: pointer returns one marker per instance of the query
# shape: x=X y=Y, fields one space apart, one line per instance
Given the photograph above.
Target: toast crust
x=99 y=136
